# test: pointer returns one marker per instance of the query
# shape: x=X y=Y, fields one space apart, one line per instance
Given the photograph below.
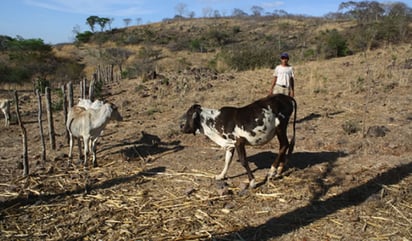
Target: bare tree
x=191 y=14
x=181 y=9
x=127 y=22
x=111 y=20
x=257 y=11
x=207 y=12
x=239 y=13
x=216 y=14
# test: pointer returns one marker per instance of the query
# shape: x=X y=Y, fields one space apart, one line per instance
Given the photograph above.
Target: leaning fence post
x=24 y=136
x=43 y=146
x=50 y=119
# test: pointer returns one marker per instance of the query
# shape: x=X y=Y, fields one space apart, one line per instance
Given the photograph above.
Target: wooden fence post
x=66 y=132
x=24 y=136
x=91 y=88
x=50 y=119
x=43 y=145
x=70 y=95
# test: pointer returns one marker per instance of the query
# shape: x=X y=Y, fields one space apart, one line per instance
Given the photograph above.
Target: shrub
x=84 y=37
x=351 y=127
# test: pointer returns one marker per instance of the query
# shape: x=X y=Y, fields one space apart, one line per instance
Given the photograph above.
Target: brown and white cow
x=254 y=124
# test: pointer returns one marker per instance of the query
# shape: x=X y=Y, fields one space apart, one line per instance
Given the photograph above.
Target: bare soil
x=349 y=178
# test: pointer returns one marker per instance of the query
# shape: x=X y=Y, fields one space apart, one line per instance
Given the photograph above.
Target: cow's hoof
x=252 y=183
x=219 y=177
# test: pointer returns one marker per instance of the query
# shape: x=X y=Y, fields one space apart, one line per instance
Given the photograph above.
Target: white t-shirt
x=284 y=73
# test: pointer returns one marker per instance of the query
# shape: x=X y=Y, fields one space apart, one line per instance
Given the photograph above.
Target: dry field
x=350 y=177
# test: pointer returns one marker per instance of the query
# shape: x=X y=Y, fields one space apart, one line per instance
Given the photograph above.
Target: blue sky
x=54 y=20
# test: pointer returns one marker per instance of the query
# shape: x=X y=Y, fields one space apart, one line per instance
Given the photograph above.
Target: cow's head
x=115 y=115
x=191 y=120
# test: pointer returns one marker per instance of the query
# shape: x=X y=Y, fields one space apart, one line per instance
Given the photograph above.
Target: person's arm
x=292 y=87
x=275 y=78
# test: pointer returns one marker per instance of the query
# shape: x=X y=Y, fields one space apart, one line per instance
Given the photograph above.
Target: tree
x=364 y=12
x=91 y=21
x=216 y=14
x=207 y=12
x=116 y=56
x=127 y=22
x=395 y=24
x=110 y=23
x=181 y=9
x=84 y=37
x=192 y=14
x=239 y=13
x=257 y=11
x=333 y=44
x=26 y=59
x=102 y=22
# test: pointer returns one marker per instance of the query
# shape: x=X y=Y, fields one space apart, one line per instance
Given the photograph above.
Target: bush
x=84 y=37
x=41 y=84
x=351 y=127
x=249 y=57
x=332 y=44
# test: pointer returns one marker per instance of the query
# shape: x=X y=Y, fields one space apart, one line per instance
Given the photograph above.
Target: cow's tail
x=292 y=141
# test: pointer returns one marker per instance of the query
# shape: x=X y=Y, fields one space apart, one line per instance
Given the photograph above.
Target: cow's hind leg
x=70 y=148
x=228 y=160
x=279 y=163
x=93 y=148
x=241 y=151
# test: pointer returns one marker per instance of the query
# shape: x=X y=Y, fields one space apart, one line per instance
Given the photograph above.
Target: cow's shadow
x=298 y=160
x=147 y=147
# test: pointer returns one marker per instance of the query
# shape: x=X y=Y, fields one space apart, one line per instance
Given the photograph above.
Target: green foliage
x=196 y=45
x=84 y=37
x=91 y=21
x=58 y=105
x=218 y=37
x=24 y=59
x=246 y=57
x=9 y=74
x=332 y=44
x=41 y=84
x=236 y=29
x=378 y=23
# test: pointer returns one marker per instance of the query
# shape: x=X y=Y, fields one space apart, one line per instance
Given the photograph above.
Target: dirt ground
x=349 y=178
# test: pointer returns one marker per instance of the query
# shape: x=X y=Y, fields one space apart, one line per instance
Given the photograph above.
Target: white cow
x=5 y=107
x=88 y=121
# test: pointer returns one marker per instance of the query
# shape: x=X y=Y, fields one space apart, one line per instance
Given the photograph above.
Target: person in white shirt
x=284 y=78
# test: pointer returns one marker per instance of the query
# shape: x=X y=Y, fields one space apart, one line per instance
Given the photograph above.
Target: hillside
x=349 y=177
x=218 y=44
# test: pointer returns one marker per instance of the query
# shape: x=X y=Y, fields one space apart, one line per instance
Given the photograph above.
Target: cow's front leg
x=70 y=148
x=228 y=160
x=241 y=151
x=86 y=140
